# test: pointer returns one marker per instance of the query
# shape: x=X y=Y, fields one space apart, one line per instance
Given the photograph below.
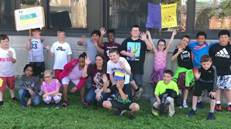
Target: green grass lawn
x=76 y=116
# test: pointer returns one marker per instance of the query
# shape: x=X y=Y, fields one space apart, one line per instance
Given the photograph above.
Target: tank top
x=160 y=60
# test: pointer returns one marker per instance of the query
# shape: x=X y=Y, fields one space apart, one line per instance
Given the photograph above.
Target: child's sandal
x=64 y=104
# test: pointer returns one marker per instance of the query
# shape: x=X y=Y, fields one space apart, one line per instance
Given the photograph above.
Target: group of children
x=111 y=70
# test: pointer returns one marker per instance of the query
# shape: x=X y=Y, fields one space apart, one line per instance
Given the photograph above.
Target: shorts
x=9 y=81
x=120 y=106
x=66 y=81
x=57 y=72
x=200 y=86
x=181 y=81
x=138 y=78
x=39 y=68
x=224 y=82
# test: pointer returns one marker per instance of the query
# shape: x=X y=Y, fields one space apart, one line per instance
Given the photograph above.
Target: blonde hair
x=47 y=72
x=60 y=31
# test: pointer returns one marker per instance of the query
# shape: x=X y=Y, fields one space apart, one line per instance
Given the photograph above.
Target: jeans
x=22 y=93
x=90 y=97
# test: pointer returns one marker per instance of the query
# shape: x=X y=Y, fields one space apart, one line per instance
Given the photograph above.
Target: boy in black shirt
x=123 y=100
x=205 y=79
x=220 y=54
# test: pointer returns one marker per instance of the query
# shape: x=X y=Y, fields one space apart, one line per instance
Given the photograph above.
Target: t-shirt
x=115 y=67
x=61 y=51
x=75 y=74
x=107 y=46
x=6 y=65
x=91 y=50
x=198 y=51
x=138 y=47
x=184 y=59
x=207 y=76
x=36 y=51
x=50 y=87
x=127 y=91
x=161 y=87
x=221 y=58
x=31 y=83
x=96 y=81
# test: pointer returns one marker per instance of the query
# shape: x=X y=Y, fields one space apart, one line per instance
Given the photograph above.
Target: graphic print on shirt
x=185 y=56
x=33 y=44
x=199 y=47
x=97 y=80
x=222 y=53
x=28 y=84
x=120 y=100
x=60 y=48
x=134 y=47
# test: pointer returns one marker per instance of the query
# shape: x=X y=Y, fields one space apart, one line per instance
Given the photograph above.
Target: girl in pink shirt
x=50 y=87
x=160 y=58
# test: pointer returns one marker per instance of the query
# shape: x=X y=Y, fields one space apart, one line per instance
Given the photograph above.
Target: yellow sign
x=1 y=82
x=168 y=15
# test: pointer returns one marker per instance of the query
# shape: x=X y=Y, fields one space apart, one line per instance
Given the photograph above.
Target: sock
x=1 y=103
x=198 y=101
x=229 y=103
x=137 y=89
x=211 y=111
x=194 y=109
x=218 y=102
x=184 y=101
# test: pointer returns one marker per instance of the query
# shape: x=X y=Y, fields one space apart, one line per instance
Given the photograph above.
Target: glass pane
x=181 y=14
x=6 y=14
x=68 y=13
x=125 y=13
x=213 y=14
x=29 y=3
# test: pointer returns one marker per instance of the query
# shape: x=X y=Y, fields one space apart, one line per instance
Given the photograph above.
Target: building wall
x=19 y=44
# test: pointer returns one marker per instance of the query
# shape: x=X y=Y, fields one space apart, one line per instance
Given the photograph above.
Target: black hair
x=114 y=50
x=28 y=65
x=35 y=29
x=185 y=36
x=135 y=26
x=223 y=32
x=83 y=55
x=161 y=40
x=104 y=69
x=111 y=31
x=97 y=32
x=168 y=71
x=201 y=33
x=3 y=37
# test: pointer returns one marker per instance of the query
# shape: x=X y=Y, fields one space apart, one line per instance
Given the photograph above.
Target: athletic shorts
x=200 y=86
x=39 y=68
x=9 y=81
x=66 y=81
x=138 y=78
x=120 y=106
x=224 y=82
x=57 y=72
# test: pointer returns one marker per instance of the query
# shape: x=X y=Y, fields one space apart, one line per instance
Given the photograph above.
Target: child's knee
x=107 y=104
x=136 y=107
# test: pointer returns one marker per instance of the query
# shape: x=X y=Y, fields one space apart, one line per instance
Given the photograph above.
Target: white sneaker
x=185 y=105
x=180 y=107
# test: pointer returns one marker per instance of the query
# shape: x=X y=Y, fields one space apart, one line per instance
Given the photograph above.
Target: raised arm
x=49 y=49
x=103 y=32
x=151 y=42
x=83 y=40
x=170 y=42
x=105 y=84
x=177 y=54
x=99 y=50
x=144 y=38
x=87 y=62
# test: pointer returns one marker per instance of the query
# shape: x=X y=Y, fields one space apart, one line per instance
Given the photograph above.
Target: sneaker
x=57 y=106
x=229 y=108
x=131 y=117
x=180 y=107
x=65 y=104
x=200 y=105
x=84 y=103
x=47 y=106
x=14 y=99
x=191 y=113
x=155 y=112
x=119 y=113
x=23 y=107
x=1 y=103
x=218 y=107
x=170 y=116
x=210 y=116
x=185 y=105
x=138 y=94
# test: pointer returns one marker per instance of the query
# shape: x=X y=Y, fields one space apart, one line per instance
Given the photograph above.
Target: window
x=125 y=13
x=181 y=14
x=68 y=14
x=29 y=3
x=6 y=15
x=213 y=14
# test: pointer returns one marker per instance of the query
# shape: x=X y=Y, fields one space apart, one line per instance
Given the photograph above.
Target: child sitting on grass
x=50 y=87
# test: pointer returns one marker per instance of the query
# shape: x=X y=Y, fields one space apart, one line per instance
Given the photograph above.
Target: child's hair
x=111 y=31
x=168 y=71
x=47 y=72
x=36 y=29
x=161 y=40
x=201 y=33
x=28 y=65
x=3 y=37
x=223 y=32
x=206 y=58
x=113 y=50
x=135 y=26
x=97 y=32
x=185 y=36
x=60 y=31
x=83 y=55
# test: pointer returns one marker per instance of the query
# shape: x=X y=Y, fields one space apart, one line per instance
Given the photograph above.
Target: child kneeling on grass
x=160 y=91
x=205 y=79
x=50 y=87
x=123 y=100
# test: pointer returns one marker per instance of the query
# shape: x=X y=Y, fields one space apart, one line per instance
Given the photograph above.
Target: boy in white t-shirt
x=35 y=48
x=61 y=50
x=7 y=75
